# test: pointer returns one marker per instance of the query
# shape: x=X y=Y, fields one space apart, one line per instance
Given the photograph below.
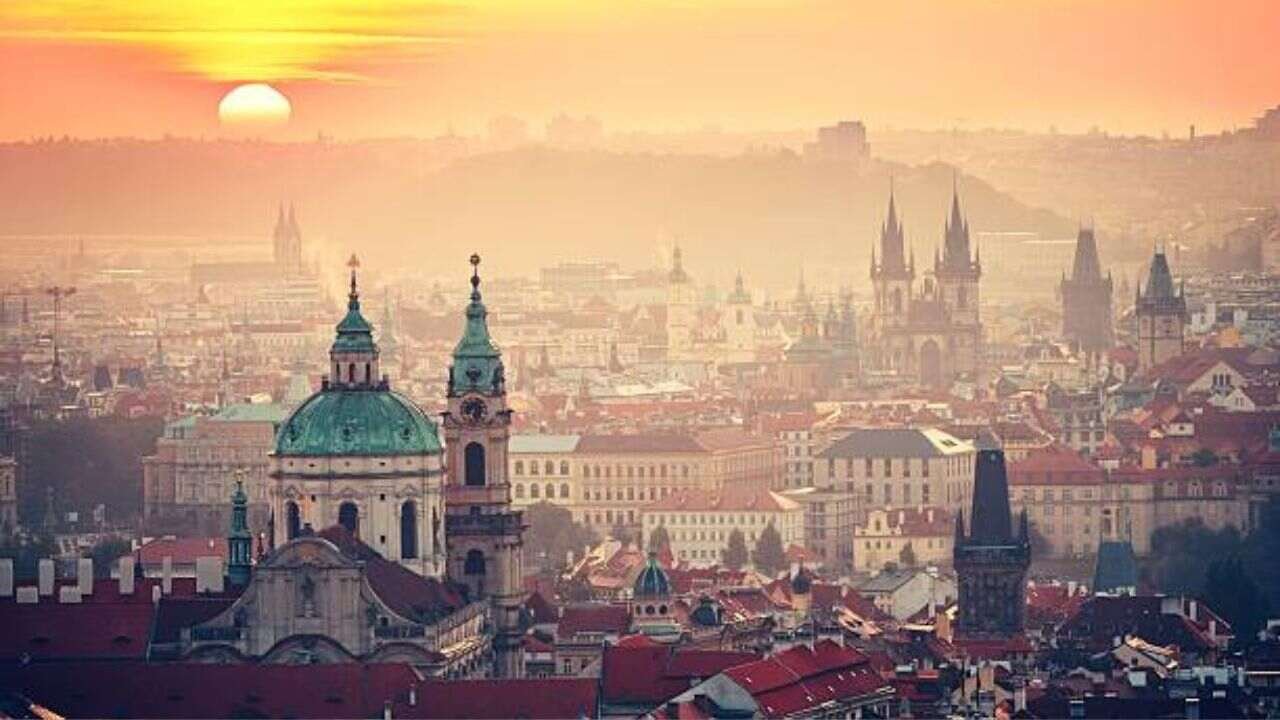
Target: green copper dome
x=357 y=422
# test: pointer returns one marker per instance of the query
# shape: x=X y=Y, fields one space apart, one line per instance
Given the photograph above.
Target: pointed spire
x=477 y=364
x=678 y=275
x=353 y=298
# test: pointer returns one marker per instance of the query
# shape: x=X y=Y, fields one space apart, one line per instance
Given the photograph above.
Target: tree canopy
x=735 y=553
x=552 y=535
x=769 y=557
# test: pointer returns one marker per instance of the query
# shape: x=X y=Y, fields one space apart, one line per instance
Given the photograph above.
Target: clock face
x=474 y=409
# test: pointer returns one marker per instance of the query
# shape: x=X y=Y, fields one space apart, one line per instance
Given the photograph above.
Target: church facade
x=419 y=555
x=358 y=454
x=931 y=334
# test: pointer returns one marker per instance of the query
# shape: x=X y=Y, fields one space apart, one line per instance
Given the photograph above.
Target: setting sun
x=255 y=105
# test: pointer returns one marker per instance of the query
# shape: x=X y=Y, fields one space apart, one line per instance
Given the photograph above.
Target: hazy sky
x=356 y=68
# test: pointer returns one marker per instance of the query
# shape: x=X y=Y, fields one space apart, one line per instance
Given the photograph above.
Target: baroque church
x=385 y=544
x=931 y=334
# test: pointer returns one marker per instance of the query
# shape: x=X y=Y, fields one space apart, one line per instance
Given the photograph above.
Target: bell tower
x=485 y=533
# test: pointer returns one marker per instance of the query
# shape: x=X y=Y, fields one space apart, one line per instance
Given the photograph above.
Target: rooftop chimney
x=155 y=594
x=84 y=576
x=69 y=594
x=27 y=595
x=6 y=577
x=166 y=574
x=209 y=575
x=45 y=577
x=126 y=575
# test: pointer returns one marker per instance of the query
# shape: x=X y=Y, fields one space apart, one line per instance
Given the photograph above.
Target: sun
x=254 y=106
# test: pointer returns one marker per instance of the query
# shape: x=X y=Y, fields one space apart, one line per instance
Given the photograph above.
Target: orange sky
x=358 y=68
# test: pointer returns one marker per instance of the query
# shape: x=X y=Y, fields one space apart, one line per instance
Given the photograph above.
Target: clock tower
x=485 y=533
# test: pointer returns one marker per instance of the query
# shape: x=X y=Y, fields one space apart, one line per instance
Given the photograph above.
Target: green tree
x=908 y=556
x=769 y=557
x=1231 y=592
x=552 y=535
x=1204 y=457
x=105 y=553
x=87 y=462
x=659 y=539
x=25 y=549
x=735 y=553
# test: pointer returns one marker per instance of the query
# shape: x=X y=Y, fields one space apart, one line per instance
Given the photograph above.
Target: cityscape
x=336 y=384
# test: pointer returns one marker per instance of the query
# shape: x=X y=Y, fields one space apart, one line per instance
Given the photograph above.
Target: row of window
x=535 y=493
x=885 y=467
x=549 y=467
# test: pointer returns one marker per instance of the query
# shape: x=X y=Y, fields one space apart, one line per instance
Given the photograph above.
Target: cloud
x=241 y=40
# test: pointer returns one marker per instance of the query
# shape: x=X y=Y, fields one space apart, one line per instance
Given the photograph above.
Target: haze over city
x=563 y=359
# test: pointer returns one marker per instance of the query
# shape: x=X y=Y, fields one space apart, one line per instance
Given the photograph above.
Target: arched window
x=962 y=297
x=474 y=564
x=533 y=467
x=564 y=491
x=293 y=521
x=473 y=462
x=549 y=468
x=533 y=490
x=409 y=530
x=551 y=492
x=897 y=300
x=349 y=518
x=519 y=490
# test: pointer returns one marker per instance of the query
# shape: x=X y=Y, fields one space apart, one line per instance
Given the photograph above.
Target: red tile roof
x=648 y=675
x=593 y=618
x=164 y=690
x=799 y=679
x=1055 y=465
x=550 y=698
x=730 y=498
x=184 y=551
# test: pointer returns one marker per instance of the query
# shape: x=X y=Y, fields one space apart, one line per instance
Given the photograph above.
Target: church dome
x=357 y=422
x=652 y=582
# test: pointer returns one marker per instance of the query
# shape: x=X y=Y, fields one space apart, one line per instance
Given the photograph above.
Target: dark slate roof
x=1116 y=568
x=989 y=520
x=889 y=442
x=407 y=593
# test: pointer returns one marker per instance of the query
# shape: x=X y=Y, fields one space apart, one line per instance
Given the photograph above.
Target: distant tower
x=1162 y=316
x=485 y=533
x=682 y=307
x=1086 y=299
x=239 y=540
x=287 y=243
x=740 y=323
x=991 y=561
x=651 y=599
x=958 y=271
x=892 y=276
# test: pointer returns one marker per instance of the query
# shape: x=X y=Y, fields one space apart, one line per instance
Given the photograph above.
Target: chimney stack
x=6 y=577
x=126 y=575
x=84 y=576
x=45 y=576
x=166 y=574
